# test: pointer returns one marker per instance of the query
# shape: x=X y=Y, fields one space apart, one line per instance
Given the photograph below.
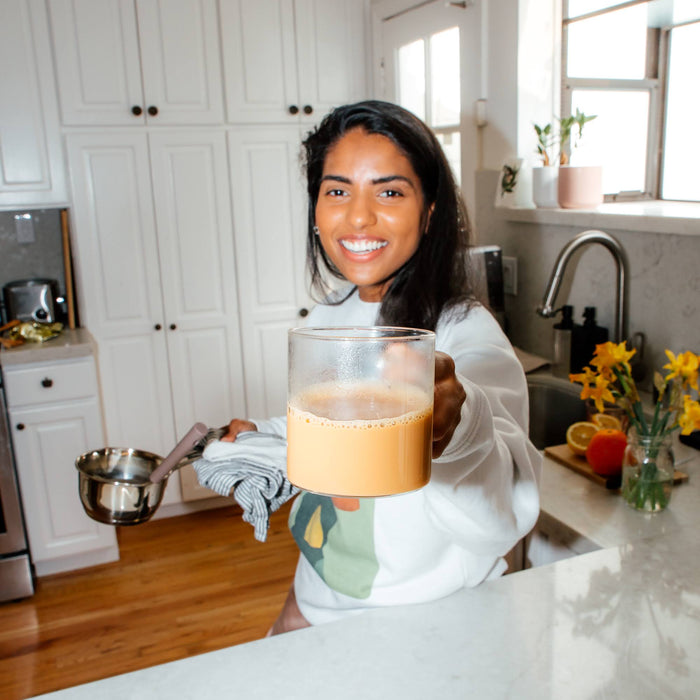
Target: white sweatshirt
x=453 y=533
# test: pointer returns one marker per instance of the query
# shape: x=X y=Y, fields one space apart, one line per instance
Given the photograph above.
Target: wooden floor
x=183 y=586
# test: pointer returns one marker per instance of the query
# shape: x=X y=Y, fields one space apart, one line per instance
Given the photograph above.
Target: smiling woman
x=370 y=211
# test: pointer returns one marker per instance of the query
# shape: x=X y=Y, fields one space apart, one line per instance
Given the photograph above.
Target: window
x=434 y=60
x=634 y=65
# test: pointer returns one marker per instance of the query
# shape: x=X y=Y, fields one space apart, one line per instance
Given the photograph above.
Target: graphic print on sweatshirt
x=336 y=535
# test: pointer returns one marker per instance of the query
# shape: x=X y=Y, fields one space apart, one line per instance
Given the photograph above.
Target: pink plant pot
x=580 y=186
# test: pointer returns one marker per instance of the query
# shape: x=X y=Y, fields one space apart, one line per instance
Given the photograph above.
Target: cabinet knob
x=153 y=110
x=172 y=326
x=20 y=426
x=136 y=111
x=157 y=326
x=303 y=312
x=46 y=382
x=308 y=109
x=293 y=109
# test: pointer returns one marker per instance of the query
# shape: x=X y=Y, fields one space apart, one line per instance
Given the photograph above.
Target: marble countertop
x=622 y=621
x=68 y=345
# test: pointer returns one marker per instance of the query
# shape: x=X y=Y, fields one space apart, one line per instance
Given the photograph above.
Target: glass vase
x=647 y=472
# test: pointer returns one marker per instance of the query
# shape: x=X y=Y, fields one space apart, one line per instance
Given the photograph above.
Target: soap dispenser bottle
x=584 y=339
x=561 y=361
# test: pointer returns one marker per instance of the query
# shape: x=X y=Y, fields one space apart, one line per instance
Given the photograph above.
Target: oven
x=16 y=579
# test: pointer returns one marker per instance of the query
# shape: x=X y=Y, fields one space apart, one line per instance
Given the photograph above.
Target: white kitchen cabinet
x=157 y=282
x=31 y=161
x=291 y=61
x=126 y=62
x=55 y=416
x=270 y=215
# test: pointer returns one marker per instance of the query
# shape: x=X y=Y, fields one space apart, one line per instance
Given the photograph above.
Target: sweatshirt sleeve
x=276 y=425
x=484 y=487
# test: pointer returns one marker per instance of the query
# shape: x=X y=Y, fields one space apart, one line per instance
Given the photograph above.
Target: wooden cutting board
x=564 y=455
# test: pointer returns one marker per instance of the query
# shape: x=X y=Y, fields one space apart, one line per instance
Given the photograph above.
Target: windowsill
x=681 y=218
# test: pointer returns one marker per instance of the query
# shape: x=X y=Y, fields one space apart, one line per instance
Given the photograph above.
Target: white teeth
x=362 y=246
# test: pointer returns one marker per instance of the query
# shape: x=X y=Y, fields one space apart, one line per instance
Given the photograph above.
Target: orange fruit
x=605 y=420
x=578 y=435
x=606 y=450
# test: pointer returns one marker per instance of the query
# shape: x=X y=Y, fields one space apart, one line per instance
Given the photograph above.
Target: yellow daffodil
x=609 y=379
x=612 y=355
x=690 y=418
x=685 y=367
x=599 y=391
x=586 y=377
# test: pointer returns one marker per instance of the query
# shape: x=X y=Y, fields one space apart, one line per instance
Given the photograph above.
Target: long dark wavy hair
x=436 y=279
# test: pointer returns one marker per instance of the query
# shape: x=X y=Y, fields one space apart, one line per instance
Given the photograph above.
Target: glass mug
x=360 y=410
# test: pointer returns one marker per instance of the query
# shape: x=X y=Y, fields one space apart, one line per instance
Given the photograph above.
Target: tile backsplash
x=41 y=258
x=663 y=283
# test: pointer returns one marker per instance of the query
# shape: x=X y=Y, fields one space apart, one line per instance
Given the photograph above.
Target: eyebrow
x=377 y=181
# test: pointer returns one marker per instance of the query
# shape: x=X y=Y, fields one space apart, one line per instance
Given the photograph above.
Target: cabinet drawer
x=57 y=381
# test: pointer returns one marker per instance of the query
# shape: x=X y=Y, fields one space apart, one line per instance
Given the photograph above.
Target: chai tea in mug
x=360 y=410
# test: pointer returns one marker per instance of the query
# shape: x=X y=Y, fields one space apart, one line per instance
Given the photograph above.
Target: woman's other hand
x=449 y=397
x=237 y=426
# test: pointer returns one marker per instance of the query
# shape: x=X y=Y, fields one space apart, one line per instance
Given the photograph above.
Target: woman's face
x=369 y=211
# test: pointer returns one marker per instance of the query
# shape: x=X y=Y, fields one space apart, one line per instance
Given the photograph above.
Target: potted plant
x=565 y=185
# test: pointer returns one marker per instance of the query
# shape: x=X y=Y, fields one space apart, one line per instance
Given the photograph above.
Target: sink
x=554 y=405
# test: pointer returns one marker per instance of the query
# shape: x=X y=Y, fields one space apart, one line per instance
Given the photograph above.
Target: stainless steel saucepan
x=124 y=486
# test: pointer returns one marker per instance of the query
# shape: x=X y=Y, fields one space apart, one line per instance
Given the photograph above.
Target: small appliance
x=32 y=300
x=487 y=267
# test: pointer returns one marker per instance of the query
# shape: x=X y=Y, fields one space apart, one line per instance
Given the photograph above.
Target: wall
x=43 y=258
x=664 y=280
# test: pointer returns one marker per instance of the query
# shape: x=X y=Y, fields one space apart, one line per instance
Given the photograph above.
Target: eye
x=391 y=194
x=335 y=192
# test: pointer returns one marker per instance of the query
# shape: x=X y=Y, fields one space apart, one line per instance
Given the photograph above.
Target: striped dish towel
x=254 y=468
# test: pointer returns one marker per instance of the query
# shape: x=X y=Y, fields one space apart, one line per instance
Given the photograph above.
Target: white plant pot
x=545 y=180
x=580 y=186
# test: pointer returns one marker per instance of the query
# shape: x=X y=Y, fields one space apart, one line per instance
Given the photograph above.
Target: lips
x=360 y=246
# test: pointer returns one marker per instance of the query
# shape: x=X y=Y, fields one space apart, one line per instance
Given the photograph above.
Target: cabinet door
x=31 y=163
x=97 y=61
x=119 y=287
x=47 y=441
x=260 y=70
x=118 y=59
x=195 y=241
x=269 y=211
x=181 y=64
x=331 y=55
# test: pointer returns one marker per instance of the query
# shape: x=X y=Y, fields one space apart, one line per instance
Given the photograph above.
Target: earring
x=315 y=230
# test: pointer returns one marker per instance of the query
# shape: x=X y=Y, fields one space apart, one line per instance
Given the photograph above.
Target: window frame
x=654 y=83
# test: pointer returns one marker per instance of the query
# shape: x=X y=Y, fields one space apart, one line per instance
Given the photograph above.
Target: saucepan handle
x=193 y=436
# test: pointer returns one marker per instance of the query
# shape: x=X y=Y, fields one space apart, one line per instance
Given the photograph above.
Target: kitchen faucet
x=580 y=240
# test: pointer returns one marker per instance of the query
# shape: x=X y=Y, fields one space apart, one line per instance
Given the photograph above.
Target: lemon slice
x=605 y=420
x=578 y=435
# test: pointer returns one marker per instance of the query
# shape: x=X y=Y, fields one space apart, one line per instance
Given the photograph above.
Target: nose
x=361 y=210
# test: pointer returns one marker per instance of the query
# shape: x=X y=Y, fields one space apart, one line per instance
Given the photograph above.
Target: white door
x=119 y=285
x=290 y=61
x=430 y=58
x=125 y=62
x=331 y=51
x=259 y=57
x=180 y=61
x=46 y=441
x=269 y=218
x=97 y=61
x=198 y=275
x=31 y=165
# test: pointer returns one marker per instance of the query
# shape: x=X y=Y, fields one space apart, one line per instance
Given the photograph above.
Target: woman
x=385 y=215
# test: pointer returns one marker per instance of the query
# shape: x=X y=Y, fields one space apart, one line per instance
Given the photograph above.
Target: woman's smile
x=370 y=211
x=362 y=246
